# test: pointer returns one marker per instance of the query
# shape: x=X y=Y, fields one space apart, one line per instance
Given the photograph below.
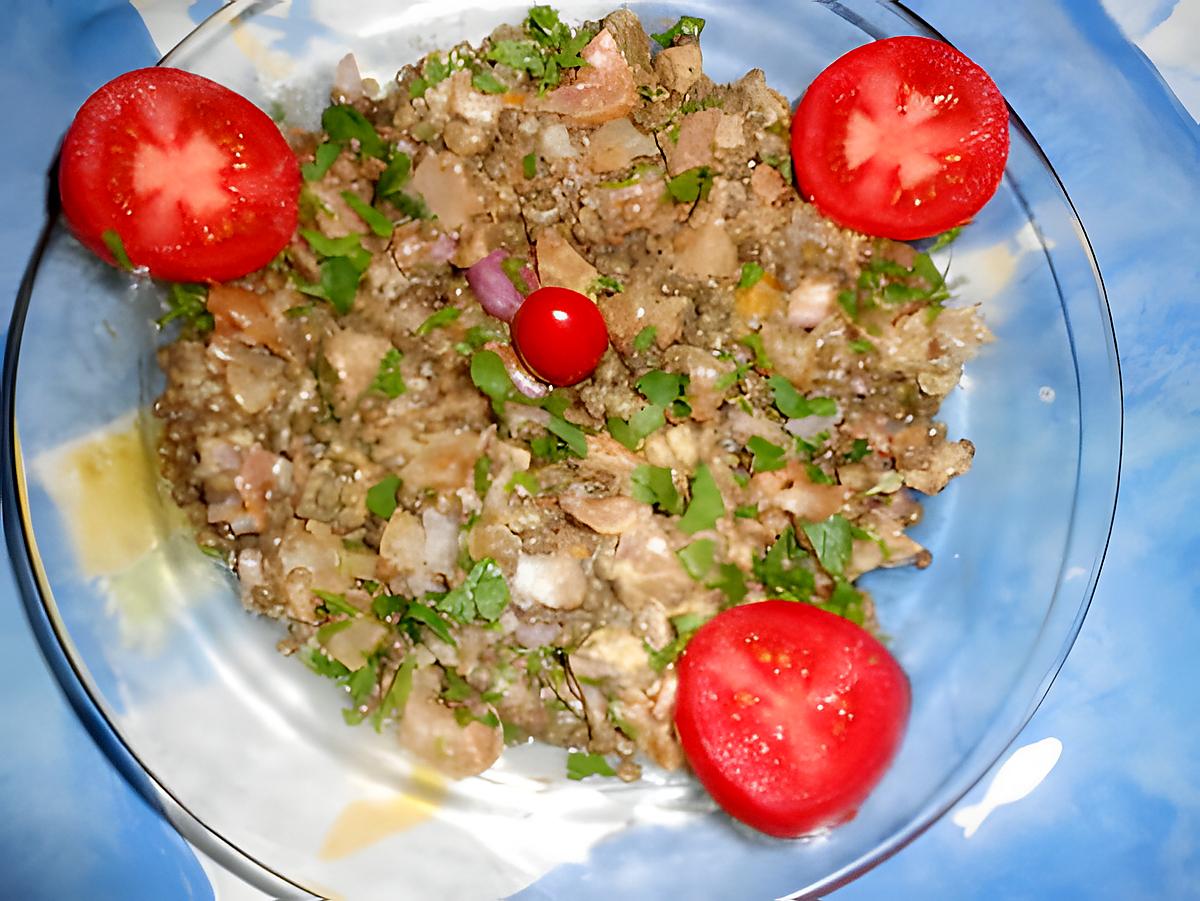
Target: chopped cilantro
x=488 y=83
x=640 y=426
x=482 y=595
x=859 y=449
x=746 y=511
x=395 y=176
x=524 y=56
x=645 y=338
x=345 y=261
x=665 y=389
x=846 y=601
x=794 y=405
x=569 y=433
x=117 y=248
x=817 y=475
x=396 y=698
x=425 y=615
x=322 y=664
x=381 y=497
x=434 y=71
x=689 y=26
x=653 y=485
x=323 y=157
x=783 y=164
x=754 y=341
x=945 y=239
x=389 y=380
x=440 y=319
x=731 y=581
x=189 y=303
x=685 y=627
x=691 y=185
x=327 y=631
x=375 y=220
x=697 y=557
x=581 y=765
x=335 y=603
x=523 y=479
x=706 y=505
x=861 y=346
x=832 y=541
x=344 y=123
x=482 y=479
x=768 y=457
x=490 y=377
x=782 y=570
x=457 y=688
x=752 y=274
x=529 y=165
x=606 y=284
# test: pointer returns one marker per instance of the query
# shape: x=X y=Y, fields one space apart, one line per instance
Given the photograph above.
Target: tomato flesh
x=789 y=715
x=902 y=138
x=196 y=181
x=560 y=335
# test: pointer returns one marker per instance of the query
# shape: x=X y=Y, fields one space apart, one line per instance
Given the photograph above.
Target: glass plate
x=245 y=750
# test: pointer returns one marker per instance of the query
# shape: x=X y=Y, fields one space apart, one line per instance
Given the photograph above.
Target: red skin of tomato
x=559 y=335
x=902 y=138
x=789 y=715
x=198 y=182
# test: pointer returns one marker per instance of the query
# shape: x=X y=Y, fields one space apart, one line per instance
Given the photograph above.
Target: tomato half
x=788 y=714
x=195 y=180
x=560 y=335
x=902 y=138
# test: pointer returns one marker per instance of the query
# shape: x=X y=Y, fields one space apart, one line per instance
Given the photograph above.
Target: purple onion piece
x=442 y=249
x=495 y=292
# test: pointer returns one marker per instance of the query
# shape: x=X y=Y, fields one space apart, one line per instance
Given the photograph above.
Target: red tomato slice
x=902 y=138
x=197 y=181
x=789 y=715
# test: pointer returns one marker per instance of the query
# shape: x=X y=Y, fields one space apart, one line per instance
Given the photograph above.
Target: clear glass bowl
x=245 y=751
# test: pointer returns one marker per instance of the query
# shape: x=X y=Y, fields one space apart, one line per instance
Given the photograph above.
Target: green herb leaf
x=322 y=664
x=335 y=603
x=746 y=511
x=640 y=426
x=575 y=440
x=697 y=557
x=324 y=157
x=768 y=457
x=440 y=319
x=457 y=688
x=412 y=206
x=945 y=239
x=327 y=631
x=189 y=303
x=645 y=338
x=117 y=248
x=859 y=449
x=605 y=284
x=523 y=479
x=483 y=481
x=488 y=83
x=731 y=581
x=529 y=165
x=817 y=475
x=344 y=123
x=706 y=506
x=861 y=346
x=389 y=380
x=580 y=765
x=653 y=485
x=396 y=698
x=483 y=594
x=476 y=337
x=489 y=376
x=691 y=185
x=752 y=274
x=375 y=220
x=782 y=570
x=662 y=388
x=792 y=404
x=832 y=541
x=395 y=176
x=754 y=341
x=846 y=601
x=524 y=56
x=381 y=497
x=687 y=25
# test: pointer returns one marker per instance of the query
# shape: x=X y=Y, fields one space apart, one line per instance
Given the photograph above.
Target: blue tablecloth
x=1118 y=816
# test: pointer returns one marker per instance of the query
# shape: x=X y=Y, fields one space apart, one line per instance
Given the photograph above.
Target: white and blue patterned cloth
x=1100 y=796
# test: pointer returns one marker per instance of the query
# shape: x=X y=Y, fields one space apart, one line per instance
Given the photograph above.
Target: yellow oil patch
x=105 y=486
x=363 y=823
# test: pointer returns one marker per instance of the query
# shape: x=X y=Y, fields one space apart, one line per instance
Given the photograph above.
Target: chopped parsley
x=697 y=557
x=945 y=239
x=395 y=176
x=832 y=540
x=117 y=248
x=335 y=603
x=381 y=497
x=752 y=274
x=746 y=511
x=640 y=426
x=389 y=380
x=754 y=341
x=794 y=405
x=525 y=480
x=768 y=457
x=846 y=601
x=691 y=185
x=323 y=157
x=395 y=699
x=343 y=123
x=861 y=346
x=606 y=284
x=434 y=71
x=666 y=390
x=706 y=505
x=488 y=83
x=375 y=220
x=581 y=765
x=476 y=337
x=685 y=625
x=645 y=338
x=344 y=260
x=440 y=319
x=189 y=303
x=859 y=449
x=783 y=570
x=570 y=433
x=817 y=475
x=653 y=485
x=731 y=582
x=490 y=377
x=687 y=26
x=529 y=165
x=481 y=474
x=482 y=595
